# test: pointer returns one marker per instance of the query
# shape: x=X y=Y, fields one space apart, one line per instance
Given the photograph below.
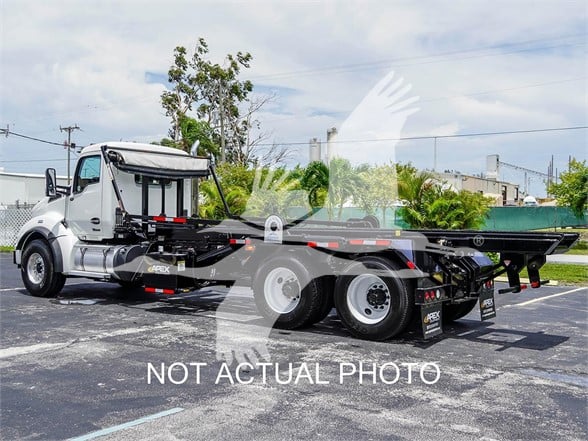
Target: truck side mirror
x=50 y=183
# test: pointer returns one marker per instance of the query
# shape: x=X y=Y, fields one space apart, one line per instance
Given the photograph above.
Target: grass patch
x=583 y=232
x=6 y=249
x=565 y=273
x=578 y=251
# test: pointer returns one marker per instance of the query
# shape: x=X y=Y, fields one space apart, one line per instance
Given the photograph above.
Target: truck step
x=89 y=275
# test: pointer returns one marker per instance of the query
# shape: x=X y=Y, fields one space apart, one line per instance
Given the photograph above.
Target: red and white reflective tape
x=159 y=290
x=239 y=241
x=323 y=244
x=176 y=220
x=377 y=242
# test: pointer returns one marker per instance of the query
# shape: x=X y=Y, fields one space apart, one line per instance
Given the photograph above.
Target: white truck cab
x=91 y=205
x=73 y=230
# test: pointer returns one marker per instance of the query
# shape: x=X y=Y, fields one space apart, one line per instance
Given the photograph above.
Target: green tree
x=274 y=191
x=430 y=205
x=216 y=92
x=235 y=181
x=314 y=179
x=413 y=188
x=250 y=193
x=211 y=206
x=344 y=183
x=381 y=190
x=572 y=191
x=192 y=131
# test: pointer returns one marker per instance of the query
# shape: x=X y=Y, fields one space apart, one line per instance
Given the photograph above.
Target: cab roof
x=151 y=160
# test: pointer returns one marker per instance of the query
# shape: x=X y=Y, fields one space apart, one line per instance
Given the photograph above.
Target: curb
x=527 y=281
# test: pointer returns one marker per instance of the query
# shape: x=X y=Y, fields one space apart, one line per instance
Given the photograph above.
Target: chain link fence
x=12 y=217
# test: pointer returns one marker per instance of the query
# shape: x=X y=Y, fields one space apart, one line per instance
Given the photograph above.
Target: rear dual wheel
x=289 y=296
x=372 y=301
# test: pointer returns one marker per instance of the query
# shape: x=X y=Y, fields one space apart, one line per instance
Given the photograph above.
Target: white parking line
x=123 y=426
x=22 y=350
x=67 y=284
x=44 y=347
x=528 y=302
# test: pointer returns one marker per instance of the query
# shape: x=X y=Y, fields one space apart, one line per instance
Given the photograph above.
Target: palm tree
x=344 y=183
x=315 y=180
x=429 y=205
x=414 y=187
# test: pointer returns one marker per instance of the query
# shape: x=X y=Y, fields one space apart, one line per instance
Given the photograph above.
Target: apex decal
x=487 y=303
x=432 y=317
x=159 y=269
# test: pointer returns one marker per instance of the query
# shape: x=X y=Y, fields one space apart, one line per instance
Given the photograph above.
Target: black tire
x=38 y=270
x=456 y=311
x=296 y=298
x=326 y=288
x=388 y=298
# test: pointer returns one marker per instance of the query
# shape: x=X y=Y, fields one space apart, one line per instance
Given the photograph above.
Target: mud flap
x=487 y=306
x=431 y=320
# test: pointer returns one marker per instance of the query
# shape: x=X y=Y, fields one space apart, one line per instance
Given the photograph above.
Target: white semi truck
x=126 y=218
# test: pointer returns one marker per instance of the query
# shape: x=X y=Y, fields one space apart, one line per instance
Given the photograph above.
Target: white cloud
x=85 y=62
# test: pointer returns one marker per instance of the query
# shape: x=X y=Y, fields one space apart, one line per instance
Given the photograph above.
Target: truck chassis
x=379 y=280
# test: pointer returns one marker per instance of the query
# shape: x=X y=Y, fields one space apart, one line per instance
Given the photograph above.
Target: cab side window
x=87 y=173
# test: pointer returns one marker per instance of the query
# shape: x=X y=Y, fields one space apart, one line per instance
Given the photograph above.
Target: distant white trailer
x=23 y=188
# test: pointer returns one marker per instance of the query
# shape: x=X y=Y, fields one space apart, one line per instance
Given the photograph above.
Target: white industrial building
x=23 y=188
x=503 y=193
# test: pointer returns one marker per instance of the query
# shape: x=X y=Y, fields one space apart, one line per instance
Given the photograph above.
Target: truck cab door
x=84 y=205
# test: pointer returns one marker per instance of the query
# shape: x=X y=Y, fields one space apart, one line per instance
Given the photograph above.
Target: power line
x=506 y=132
x=442 y=98
x=509 y=89
x=35 y=160
x=389 y=63
x=406 y=138
x=526 y=170
x=20 y=135
x=459 y=135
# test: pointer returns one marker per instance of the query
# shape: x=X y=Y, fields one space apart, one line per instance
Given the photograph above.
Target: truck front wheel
x=38 y=271
x=372 y=301
x=286 y=294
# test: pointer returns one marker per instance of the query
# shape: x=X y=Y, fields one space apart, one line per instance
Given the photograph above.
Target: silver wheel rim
x=282 y=290
x=36 y=268
x=368 y=299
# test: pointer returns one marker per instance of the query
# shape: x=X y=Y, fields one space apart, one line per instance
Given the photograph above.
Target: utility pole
x=68 y=130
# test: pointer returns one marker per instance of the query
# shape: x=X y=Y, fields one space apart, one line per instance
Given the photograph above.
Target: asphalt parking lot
x=76 y=365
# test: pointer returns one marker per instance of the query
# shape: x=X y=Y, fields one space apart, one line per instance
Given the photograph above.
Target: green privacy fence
x=499 y=218
x=392 y=219
x=531 y=218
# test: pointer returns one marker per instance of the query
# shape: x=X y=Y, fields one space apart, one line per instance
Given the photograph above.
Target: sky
x=476 y=67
